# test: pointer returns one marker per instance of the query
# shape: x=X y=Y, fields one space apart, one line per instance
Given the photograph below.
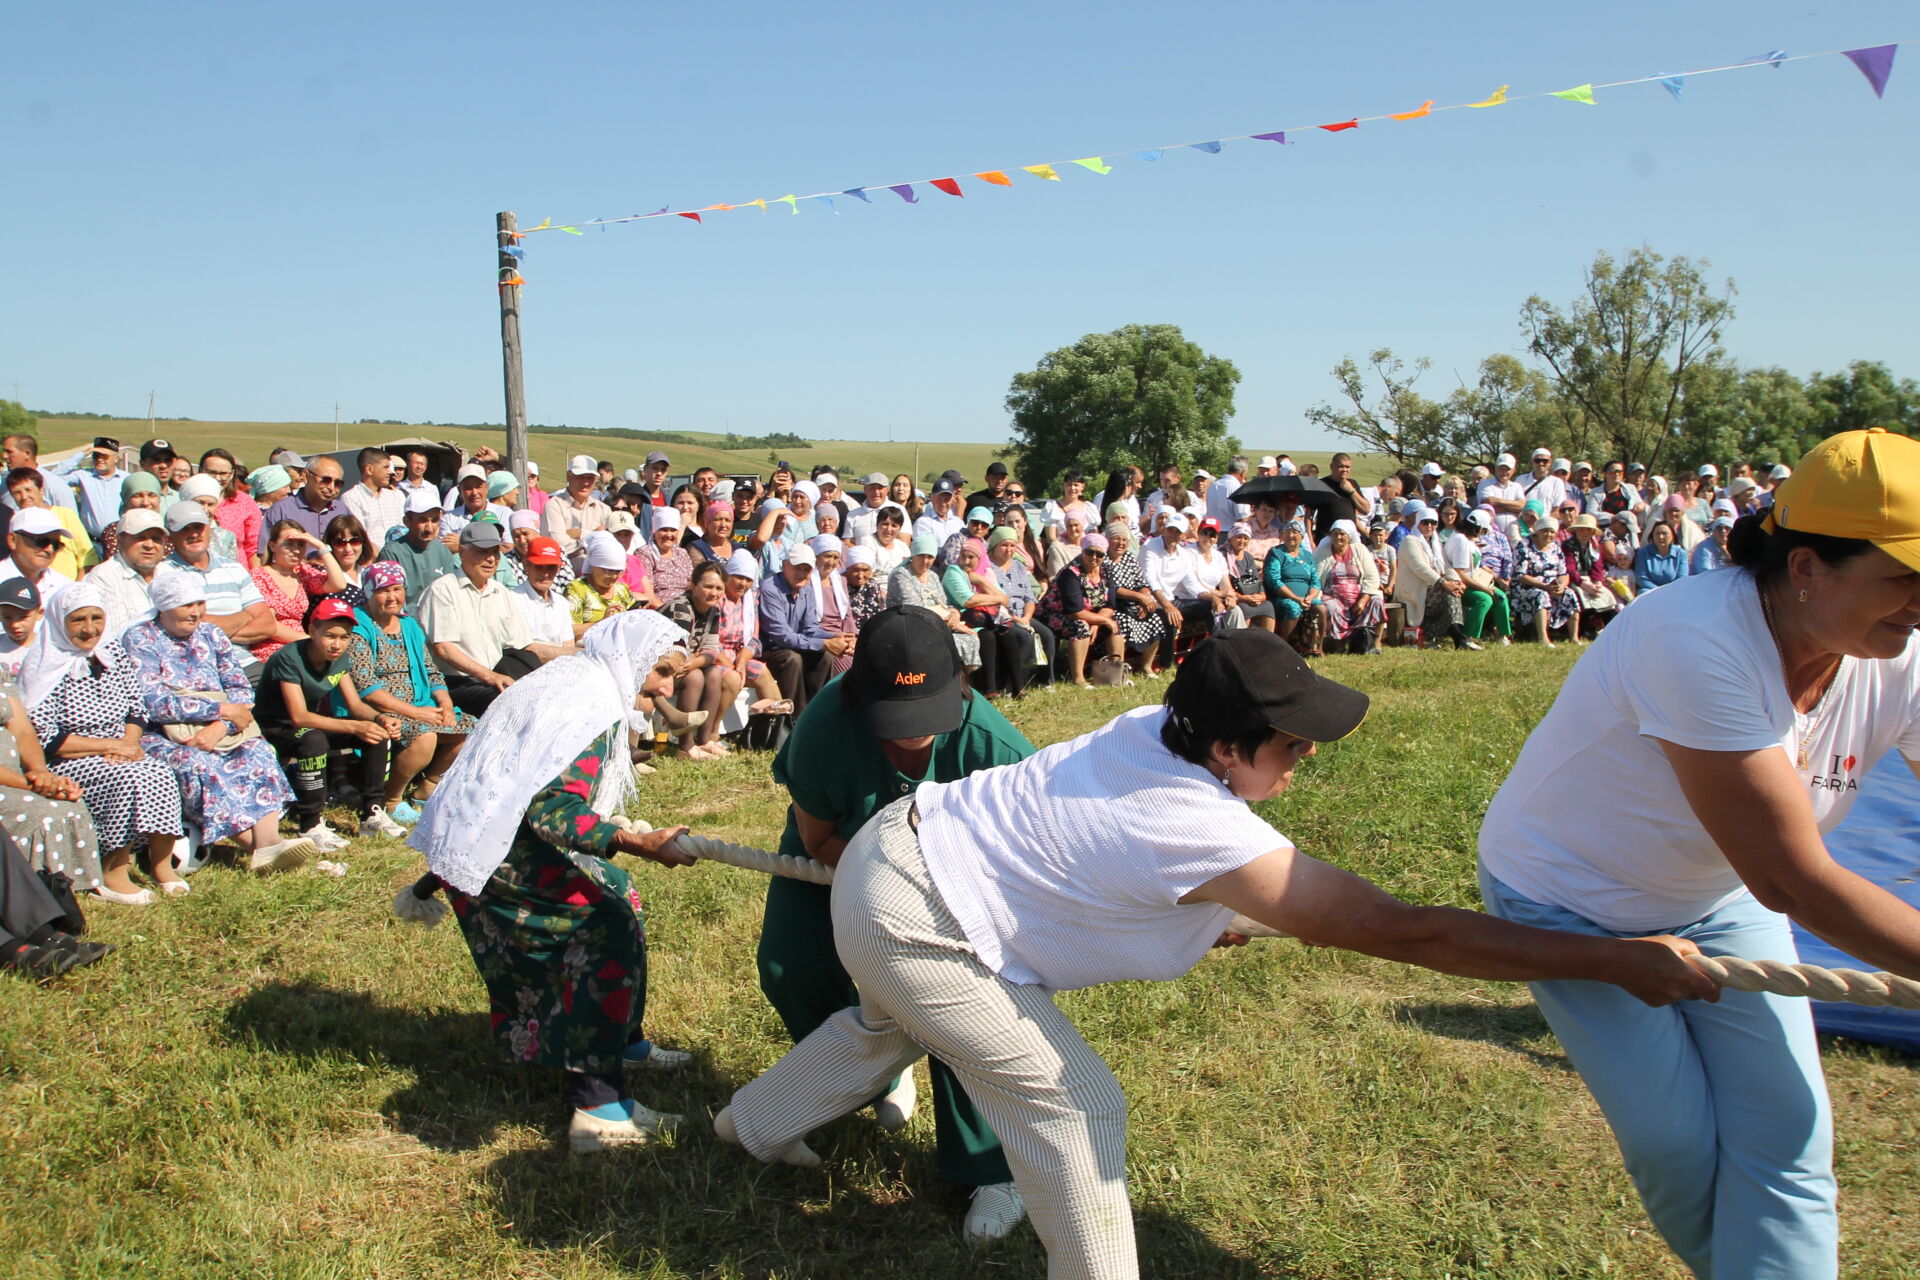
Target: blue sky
x=260 y=210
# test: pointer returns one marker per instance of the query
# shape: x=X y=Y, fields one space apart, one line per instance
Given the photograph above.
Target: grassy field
x=273 y=1078
x=254 y=441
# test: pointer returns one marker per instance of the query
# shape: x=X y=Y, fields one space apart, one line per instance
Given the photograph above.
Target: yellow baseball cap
x=1858 y=484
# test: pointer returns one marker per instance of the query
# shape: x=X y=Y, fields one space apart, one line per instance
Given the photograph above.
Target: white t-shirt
x=549 y=621
x=1490 y=488
x=1592 y=818
x=1066 y=869
x=1220 y=503
x=1549 y=491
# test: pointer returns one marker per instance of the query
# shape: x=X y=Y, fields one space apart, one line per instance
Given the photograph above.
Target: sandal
x=771 y=707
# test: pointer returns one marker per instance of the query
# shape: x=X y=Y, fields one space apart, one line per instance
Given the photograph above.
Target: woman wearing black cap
x=1122 y=854
x=902 y=715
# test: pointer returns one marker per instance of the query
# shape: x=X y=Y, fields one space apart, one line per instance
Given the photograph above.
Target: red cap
x=329 y=611
x=1210 y=523
x=543 y=551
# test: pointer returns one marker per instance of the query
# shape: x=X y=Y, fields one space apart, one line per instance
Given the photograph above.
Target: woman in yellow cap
x=1732 y=714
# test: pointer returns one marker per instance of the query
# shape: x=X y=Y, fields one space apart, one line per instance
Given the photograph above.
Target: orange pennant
x=718 y=206
x=1426 y=108
x=996 y=177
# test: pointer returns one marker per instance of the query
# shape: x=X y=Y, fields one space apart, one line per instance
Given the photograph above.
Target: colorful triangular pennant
x=1342 y=126
x=1579 y=93
x=1211 y=148
x=1876 y=64
x=1280 y=138
x=1043 y=171
x=1096 y=164
x=949 y=185
x=1155 y=154
x=1424 y=109
x=1494 y=99
x=905 y=191
x=996 y=177
x=858 y=193
x=1675 y=85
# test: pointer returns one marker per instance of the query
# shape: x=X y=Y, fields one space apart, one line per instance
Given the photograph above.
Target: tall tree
x=1632 y=347
x=1508 y=405
x=1142 y=394
x=15 y=420
x=1865 y=395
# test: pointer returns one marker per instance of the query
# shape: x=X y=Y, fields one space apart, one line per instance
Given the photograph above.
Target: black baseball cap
x=108 y=443
x=155 y=450
x=1247 y=679
x=906 y=673
x=21 y=594
x=996 y=468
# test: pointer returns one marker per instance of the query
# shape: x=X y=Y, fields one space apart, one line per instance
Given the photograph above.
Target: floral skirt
x=1343 y=617
x=1528 y=601
x=222 y=792
x=560 y=945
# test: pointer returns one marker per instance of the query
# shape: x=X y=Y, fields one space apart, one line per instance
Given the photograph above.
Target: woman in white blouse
x=1123 y=854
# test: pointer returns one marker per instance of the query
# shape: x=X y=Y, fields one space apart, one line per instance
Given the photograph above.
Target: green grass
x=274 y=1078
x=252 y=442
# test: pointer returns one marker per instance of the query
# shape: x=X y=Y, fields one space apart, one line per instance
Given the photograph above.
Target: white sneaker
x=380 y=824
x=324 y=837
x=997 y=1209
x=659 y=1059
x=799 y=1155
x=284 y=856
x=895 y=1108
x=588 y=1133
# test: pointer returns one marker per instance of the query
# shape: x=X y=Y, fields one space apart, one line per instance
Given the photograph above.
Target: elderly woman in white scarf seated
x=83 y=697
x=1350 y=585
x=831 y=594
x=519 y=835
x=198 y=707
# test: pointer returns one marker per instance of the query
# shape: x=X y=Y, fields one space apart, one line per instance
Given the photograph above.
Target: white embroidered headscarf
x=530 y=734
x=54 y=656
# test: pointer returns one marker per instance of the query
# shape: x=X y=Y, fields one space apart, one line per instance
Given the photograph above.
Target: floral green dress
x=557 y=934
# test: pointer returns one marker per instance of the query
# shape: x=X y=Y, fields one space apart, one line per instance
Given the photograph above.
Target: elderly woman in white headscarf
x=83 y=696
x=519 y=835
x=829 y=586
x=669 y=566
x=1350 y=585
x=198 y=706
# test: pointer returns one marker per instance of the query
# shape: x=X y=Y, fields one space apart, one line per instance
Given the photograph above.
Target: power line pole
x=151 y=396
x=336 y=426
x=516 y=388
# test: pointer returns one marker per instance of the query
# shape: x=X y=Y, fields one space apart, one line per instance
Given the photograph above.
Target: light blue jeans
x=1720 y=1109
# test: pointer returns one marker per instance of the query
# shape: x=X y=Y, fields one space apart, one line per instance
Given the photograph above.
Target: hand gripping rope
x=1854 y=986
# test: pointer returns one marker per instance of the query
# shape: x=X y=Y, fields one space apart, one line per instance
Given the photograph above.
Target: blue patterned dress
x=223 y=792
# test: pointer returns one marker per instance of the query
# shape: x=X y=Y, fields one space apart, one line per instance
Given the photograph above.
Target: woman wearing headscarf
x=1738 y=710
x=916 y=583
x=888 y=541
x=600 y=592
x=740 y=635
x=519 y=834
x=198 y=706
x=388 y=661
x=866 y=591
x=83 y=695
x=1076 y=609
x=1293 y=584
x=1587 y=566
x=1543 y=597
x=1350 y=583
x=971 y=588
x=715 y=542
x=1143 y=623
x=830 y=594
x=669 y=567
x=206 y=491
x=863 y=742
x=1064 y=548
x=139 y=491
x=1249 y=577
x=1034 y=644
x=268 y=485
x=1122 y=855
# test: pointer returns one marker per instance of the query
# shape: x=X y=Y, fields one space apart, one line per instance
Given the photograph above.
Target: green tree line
x=1634 y=368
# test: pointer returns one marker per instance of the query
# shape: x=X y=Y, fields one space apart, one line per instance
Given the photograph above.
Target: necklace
x=1818 y=712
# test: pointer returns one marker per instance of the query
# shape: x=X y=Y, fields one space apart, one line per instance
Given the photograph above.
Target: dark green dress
x=834 y=768
x=557 y=934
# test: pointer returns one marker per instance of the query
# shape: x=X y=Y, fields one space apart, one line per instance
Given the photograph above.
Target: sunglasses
x=40 y=540
x=330 y=482
x=344 y=540
x=1016 y=493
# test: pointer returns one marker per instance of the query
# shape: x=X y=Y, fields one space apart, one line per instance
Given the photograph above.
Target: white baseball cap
x=581 y=465
x=801 y=554
x=1543 y=453
x=421 y=501
x=1708 y=469
x=533 y=468
x=1432 y=469
x=40 y=522
x=138 y=521
x=1268 y=462
x=1561 y=464
x=472 y=471
x=1506 y=460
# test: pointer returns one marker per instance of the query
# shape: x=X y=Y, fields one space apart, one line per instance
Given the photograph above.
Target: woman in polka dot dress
x=40 y=809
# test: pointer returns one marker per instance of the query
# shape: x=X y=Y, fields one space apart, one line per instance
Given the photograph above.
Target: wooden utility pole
x=510 y=349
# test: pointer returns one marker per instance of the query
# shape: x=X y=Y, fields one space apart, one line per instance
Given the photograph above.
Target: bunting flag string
x=1874 y=62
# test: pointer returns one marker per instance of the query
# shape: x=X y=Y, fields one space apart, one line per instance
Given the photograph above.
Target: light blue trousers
x=1720 y=1109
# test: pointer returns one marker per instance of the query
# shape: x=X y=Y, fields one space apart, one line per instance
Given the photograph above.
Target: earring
x=1803 y=596
x=1228 y=780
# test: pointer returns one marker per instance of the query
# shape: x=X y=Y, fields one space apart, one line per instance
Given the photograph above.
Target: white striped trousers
x=1059 y=1112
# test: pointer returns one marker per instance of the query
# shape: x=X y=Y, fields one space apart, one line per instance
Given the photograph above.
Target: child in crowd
x=298 y=693
x=19 y=616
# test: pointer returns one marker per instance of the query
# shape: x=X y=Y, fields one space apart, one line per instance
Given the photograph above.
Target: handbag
x=1108 y=672
x=184 y=733
x=60 y=888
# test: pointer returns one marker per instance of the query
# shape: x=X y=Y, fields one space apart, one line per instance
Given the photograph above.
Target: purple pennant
x=858 y=193
x=1280 y=138
x=1876 y=64
x=905 y=191
x=1211 y=148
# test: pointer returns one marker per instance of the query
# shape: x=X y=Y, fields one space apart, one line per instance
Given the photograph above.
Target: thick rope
x=1852 y=986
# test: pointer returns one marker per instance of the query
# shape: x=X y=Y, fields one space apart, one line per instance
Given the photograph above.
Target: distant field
x=253 y=441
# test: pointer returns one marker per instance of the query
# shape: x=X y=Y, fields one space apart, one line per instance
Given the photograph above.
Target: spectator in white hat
x=669 y=567
x=126 y=581
x=421 y=553
x=35 y=538
x=1431 y=491
x=1500 y=490
x=572 y=515
x=795 y=646
x=861 y=519
x=1544 y=485
x=26 y=489
x=467 y=499
x=475 y=632
x=601 y=589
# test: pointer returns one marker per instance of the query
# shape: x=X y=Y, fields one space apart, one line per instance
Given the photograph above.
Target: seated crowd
x=194 y=655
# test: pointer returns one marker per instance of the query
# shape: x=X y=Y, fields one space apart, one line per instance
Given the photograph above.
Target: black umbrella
x=1309 y=491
